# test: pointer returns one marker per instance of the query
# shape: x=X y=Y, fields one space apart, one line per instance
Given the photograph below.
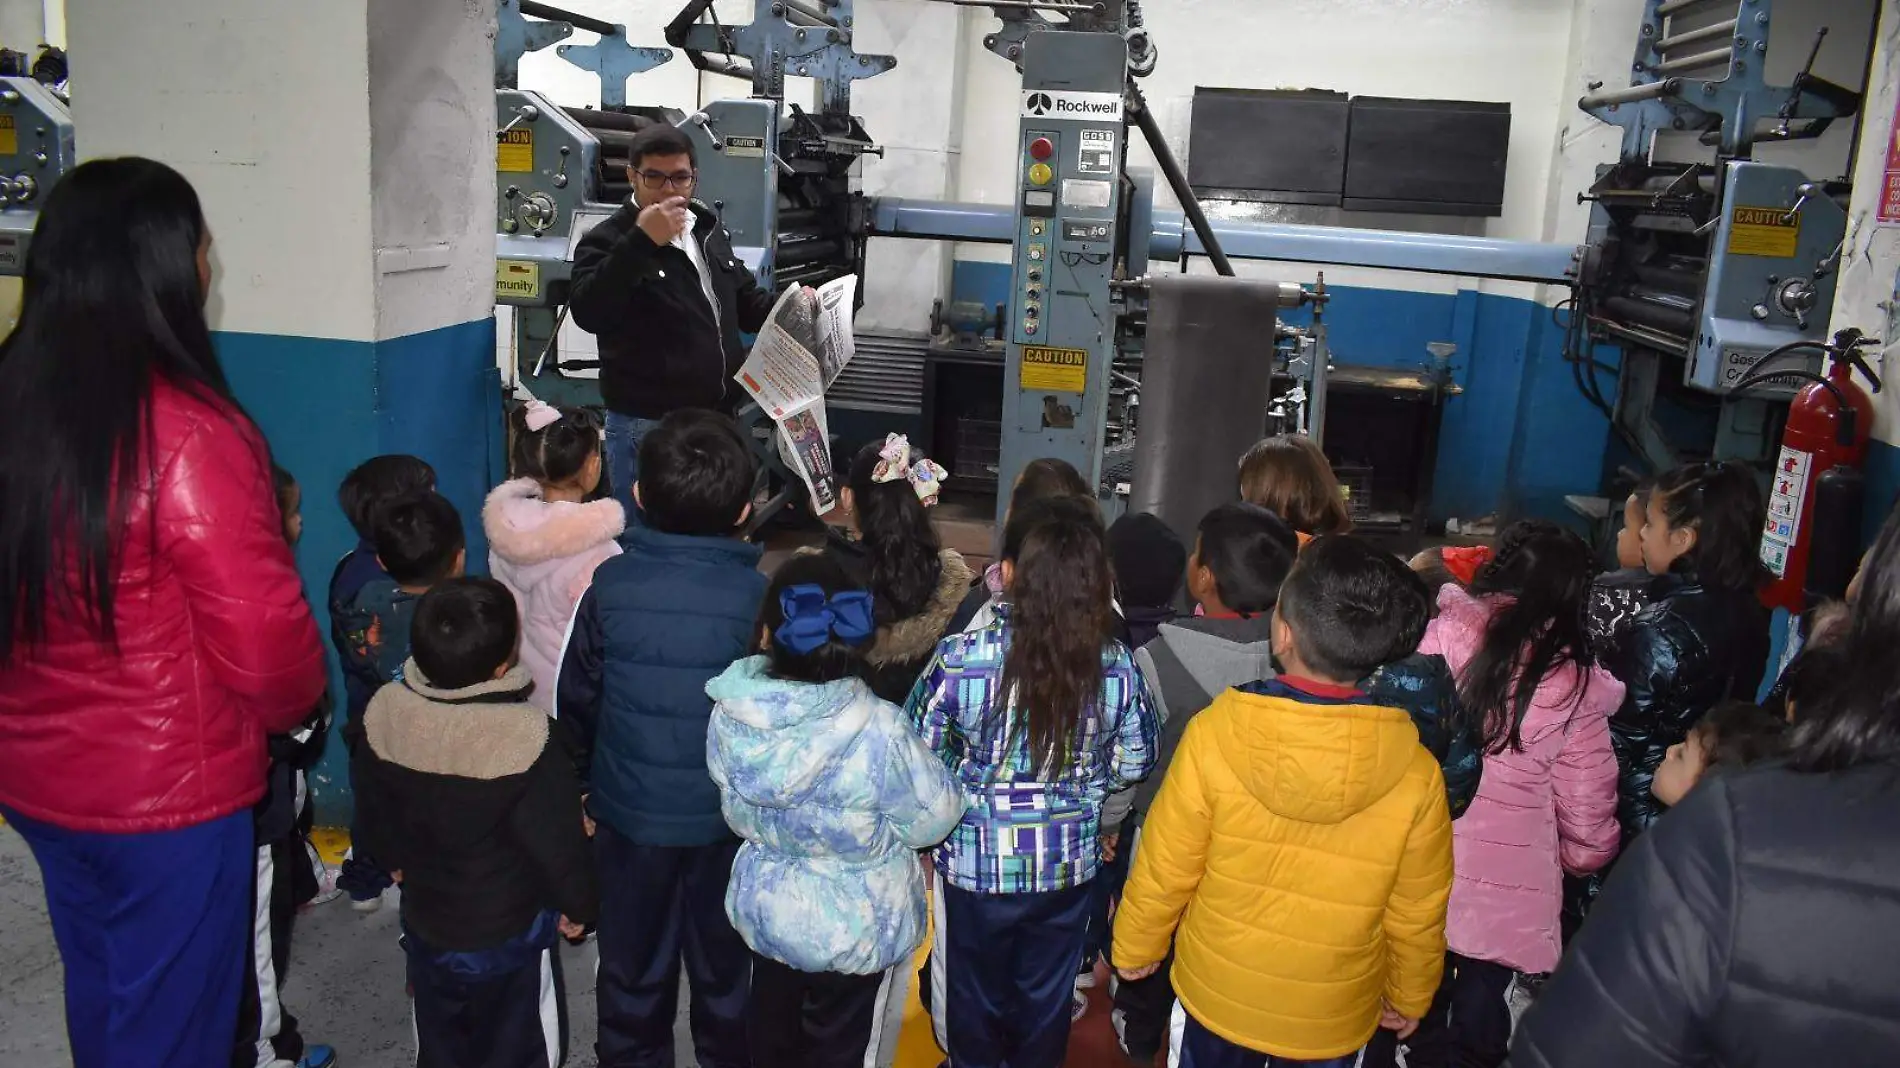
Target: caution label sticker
x=514 y=153
x=1059 y=370
x=517 y=280
x=9 y=136
x=745 y=147
x=1764 y=232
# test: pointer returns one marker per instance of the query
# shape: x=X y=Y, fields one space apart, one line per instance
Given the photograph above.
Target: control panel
x=1773 y=262
x=1068 y=232
x=36 y=149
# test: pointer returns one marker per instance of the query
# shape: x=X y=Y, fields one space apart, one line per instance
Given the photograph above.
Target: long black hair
x=113 y=303
x=1723 y=502
x=904 y=551
x=1854 y=718
x=1546 y=572
x=1061 y=602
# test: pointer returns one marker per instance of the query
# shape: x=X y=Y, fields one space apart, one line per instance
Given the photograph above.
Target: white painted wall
x=264 y=106
x=432 y=162
x=1869 y=292
x=1496 y=50
x=22 y=25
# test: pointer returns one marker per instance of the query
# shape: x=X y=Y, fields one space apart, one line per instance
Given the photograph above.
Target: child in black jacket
x=463 y=790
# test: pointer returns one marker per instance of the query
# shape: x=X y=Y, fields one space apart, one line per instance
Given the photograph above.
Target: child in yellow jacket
x=1298 y=856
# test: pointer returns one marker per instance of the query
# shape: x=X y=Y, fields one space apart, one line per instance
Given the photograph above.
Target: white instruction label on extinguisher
x=1785 y=495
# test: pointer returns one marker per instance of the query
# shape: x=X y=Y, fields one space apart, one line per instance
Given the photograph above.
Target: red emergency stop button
x=1040 y=148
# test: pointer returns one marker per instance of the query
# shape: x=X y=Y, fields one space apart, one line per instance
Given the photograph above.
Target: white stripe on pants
x=550 y=1007
x=270 y=1013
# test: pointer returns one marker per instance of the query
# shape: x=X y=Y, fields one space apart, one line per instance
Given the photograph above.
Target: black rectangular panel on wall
x=1280 y=146
x=1441 y=157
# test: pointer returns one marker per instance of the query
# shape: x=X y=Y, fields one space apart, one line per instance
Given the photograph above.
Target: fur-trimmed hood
x=916 y=637
x=485 y=731
x=525 y=530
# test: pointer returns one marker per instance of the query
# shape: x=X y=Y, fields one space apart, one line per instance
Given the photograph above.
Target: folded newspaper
x=805 y=343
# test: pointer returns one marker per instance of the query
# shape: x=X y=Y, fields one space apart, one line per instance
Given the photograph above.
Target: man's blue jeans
x=624 y=434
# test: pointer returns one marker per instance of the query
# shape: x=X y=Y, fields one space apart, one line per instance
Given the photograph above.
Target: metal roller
x=594 y=119
x=1674 y=6
x=554 y=14
x=1720 y=29
x=1675 y=322
x=805 y=13
x=807 y=252
x=1700 y=59
x=1647 y=91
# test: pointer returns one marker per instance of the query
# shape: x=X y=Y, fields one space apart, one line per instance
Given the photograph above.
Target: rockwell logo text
x=1045 y=104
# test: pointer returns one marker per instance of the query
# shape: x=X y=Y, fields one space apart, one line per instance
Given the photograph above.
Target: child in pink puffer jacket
x=544 y=537
x=1516 y=641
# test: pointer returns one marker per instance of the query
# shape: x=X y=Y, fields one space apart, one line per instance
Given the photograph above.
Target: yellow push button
x=1039 y=174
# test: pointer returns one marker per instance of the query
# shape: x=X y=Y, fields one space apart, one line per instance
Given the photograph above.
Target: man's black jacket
x=661 y=346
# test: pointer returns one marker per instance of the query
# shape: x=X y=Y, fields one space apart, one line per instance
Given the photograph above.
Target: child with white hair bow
x=916 y=583
x=545 y=537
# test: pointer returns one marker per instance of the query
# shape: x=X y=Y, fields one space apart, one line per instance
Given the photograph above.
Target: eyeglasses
x=678 y=181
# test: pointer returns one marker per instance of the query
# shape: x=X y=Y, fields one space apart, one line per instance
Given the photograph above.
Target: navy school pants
x=1009 y=974
x=155 y=931
x=1201 y=1048
x=659 y=904
x=495 y=1008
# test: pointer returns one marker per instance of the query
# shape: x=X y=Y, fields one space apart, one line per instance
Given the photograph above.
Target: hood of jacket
x=1216 y=651
x=485 y=731
x=800 y=730
x=525 y=530
x=1314 y=762
x=917 y=637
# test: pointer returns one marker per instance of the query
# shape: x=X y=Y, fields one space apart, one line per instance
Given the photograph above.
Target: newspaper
x=805 y=344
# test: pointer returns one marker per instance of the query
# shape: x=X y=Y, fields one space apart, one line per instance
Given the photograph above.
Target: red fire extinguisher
x=1828 y=427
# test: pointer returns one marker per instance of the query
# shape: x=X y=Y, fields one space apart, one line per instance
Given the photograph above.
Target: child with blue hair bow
x=832 y=792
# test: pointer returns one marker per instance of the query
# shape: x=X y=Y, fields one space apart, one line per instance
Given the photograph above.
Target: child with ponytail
x=832 y=792
x=1041 y=714
x=1703 y=638
x=545 y=537
x=1546 y=804
x=916 y=583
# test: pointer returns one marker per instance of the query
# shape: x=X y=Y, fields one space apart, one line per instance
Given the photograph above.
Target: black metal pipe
x=806 y=252
x=554 y=14
x=799 y=218
x=1177 y=180
x=594 y=119
x=1671 y=321
x=676 y=30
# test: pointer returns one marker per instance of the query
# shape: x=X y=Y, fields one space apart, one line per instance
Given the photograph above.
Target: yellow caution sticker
x=1060 y=370
x=9 y=136
x=517 y=280
x=1764 y=232
x=515 y=152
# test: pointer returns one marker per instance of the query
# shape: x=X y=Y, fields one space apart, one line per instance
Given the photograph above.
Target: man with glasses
x=659 y=285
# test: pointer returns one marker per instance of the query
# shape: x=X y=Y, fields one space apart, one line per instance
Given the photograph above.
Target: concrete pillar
x=344 y=152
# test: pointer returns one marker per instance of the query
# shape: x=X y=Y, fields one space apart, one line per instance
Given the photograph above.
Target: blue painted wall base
x=327 y=405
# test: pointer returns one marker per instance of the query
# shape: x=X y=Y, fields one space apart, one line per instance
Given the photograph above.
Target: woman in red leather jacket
x=154 y=629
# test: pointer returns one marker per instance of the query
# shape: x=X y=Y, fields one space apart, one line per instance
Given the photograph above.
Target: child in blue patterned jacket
x=832 y=792
x=1042 y=714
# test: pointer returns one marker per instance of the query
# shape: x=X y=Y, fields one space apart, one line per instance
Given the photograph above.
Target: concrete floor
x=345 y=985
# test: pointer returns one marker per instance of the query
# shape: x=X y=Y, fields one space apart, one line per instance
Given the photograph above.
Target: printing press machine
x=1713 y=264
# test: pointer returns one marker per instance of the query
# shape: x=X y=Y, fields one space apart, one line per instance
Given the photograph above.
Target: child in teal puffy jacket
x=833 y=793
